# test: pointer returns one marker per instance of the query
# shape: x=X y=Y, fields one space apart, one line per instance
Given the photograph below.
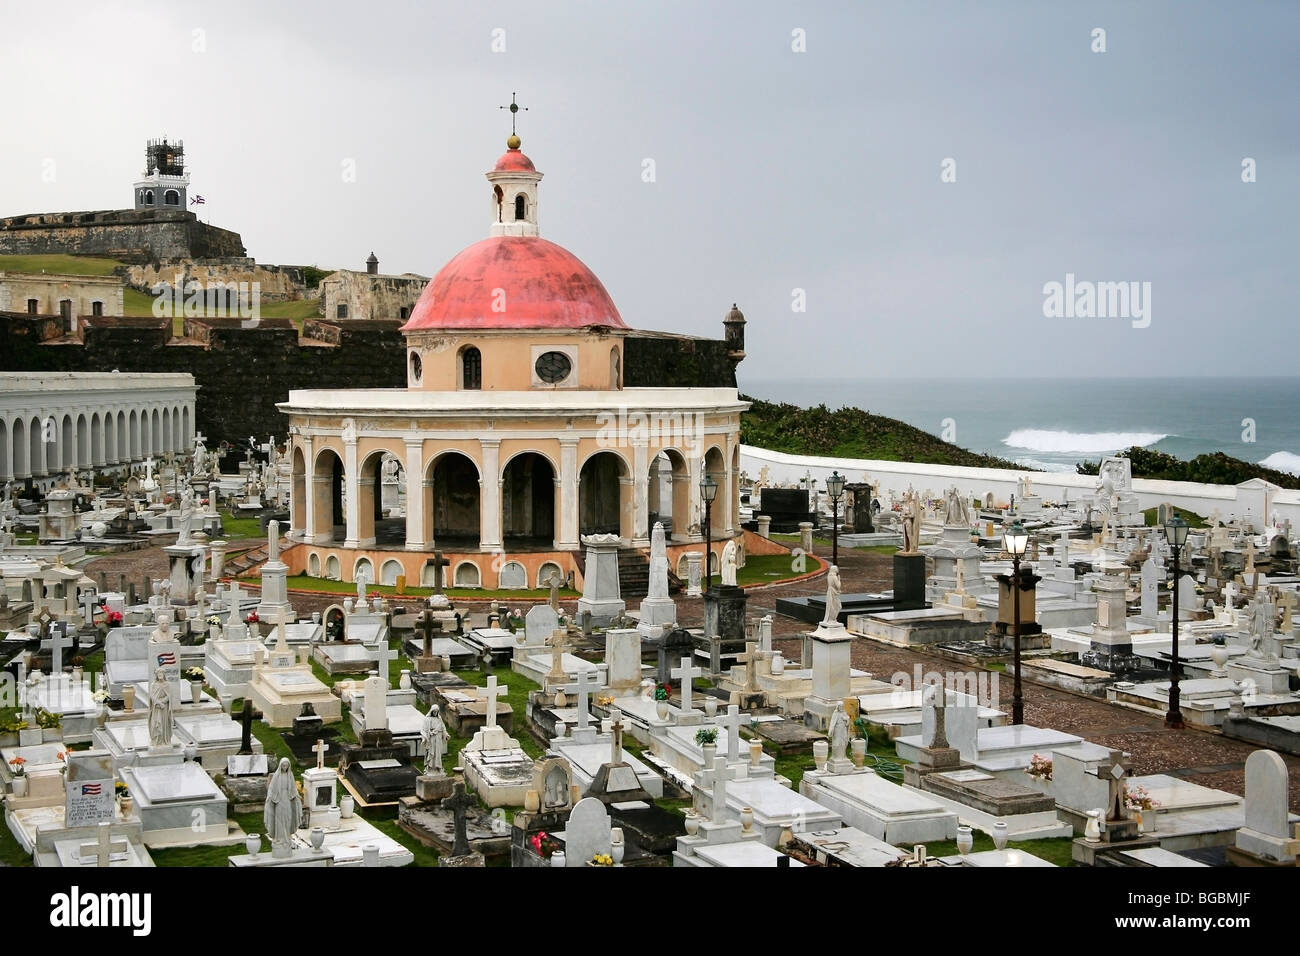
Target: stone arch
x=469 y=368
x=156 y=420
x=669 y=492
x=298 y=492
x=328 y=519
x=605 y=495
x=452 y=500
x=332 y=571
x=313 y=564
x=6 y=452
x=35 y=449
x=521 y=208
x=513 y=576
x=83 y=441
x=528 y=498
x=545 y=571
x=166 y=443
x=364 y=565
x=110 y=439
x=389 y=571
x=123 y=438
x=96 y=440
x=171 y=198
x=715 y=466
x=467 y=575
x=373 y=527
x=333 y=622
x=133 y=429
x=148 y=197
x=19 y=461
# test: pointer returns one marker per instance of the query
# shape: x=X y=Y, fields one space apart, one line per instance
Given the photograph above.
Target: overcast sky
x=774 y=170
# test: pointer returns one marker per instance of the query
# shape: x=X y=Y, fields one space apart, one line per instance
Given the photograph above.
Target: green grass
x=234 y=528
x=59 y=265
x=769 y=569
x=1056 y=850
x=304 y=582
x=517 y=688
x=1192 y=518
x=295 y=309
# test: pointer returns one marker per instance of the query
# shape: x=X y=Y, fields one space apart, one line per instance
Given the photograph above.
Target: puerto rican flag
x=197 y=200
x=166 y=659
x=91 y=789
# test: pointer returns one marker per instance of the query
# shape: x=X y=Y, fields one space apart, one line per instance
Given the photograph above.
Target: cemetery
x=465 y=625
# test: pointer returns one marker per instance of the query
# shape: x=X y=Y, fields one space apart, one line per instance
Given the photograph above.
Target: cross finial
x=514 y=109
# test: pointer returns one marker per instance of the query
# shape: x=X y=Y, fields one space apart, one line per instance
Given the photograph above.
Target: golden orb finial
x=513 y=141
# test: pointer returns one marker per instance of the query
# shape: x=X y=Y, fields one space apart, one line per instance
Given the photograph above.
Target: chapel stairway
x=634 y=574
x=244 y=562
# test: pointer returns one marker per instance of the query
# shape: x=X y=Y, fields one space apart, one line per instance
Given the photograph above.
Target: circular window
x=416 y=366
x=553 y=367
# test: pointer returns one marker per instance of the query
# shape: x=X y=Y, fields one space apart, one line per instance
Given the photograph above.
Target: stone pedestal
x=724 y=621
x=601 y=598
x=186 y=572
x=764 y=526
x=1267 y=677
x=1110 y=636
x=829 y=648
x=694 y=573
x=909 y=582
x=859 y=510
x=805 y=536
x=430 y=787
x=218 y=549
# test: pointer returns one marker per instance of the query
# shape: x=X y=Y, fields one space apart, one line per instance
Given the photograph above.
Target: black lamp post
x=1016 y=539
x=708 y=491
x=835 y=488
x=1176 y=535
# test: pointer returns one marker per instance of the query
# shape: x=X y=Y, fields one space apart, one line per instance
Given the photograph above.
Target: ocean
x=1052 y=424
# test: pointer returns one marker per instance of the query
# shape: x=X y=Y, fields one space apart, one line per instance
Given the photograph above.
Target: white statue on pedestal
x=833 y=604
x=283 y=810
x=729 y=564
x=435 y=741
x=160 y=711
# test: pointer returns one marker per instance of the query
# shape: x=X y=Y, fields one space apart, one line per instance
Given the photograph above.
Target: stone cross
x=687 y=673
x=719 y=789
x=616 y=740
x=732 y=723
x=438 y=562
x=87 y=599
x=459 y=803
x=584 y=687
x=104 y=846
x=382 y=655
x=490 y=694
x=235 y=596
x=319 y=751
x=428 y=625
x=555 y=582
x=1114 y=770
x=558 y=640
x=246 y=717
x=58 y=641
x=750 y=659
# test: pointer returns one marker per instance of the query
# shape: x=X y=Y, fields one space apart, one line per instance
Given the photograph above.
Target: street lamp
x=1176 y=535
x=708 y=491
x=1015 y=540
x=835 y=488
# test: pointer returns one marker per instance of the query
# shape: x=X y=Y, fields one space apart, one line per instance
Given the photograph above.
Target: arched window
x=500 y=198
x=148 y=197
x=417 y=367
x=521 y=207
x=171 y=198
x=471 y=368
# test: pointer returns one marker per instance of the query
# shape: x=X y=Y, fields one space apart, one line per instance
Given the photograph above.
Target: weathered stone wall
x=275 y=283
x=16 y=288
x=370 y=297
x=127 y=234
x=653 y=359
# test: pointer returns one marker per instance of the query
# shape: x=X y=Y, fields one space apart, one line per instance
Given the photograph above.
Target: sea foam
x=1283 y=461
x=1051 y=440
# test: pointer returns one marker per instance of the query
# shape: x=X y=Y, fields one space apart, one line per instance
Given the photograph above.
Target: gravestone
x=658 y=608
x=671 y=648
x=89 y=787
x=539 y=624
x=601 y=597
x=1267 y=838
x=587 y=832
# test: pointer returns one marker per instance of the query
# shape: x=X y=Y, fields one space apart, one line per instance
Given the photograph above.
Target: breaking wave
x=1060 y=442
x=1283 y=461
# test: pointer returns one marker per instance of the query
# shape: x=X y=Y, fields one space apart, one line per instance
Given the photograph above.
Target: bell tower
x=165 y=180
x=514 y=182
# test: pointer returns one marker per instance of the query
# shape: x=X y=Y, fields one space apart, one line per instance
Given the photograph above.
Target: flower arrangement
x=1040 y=767
x=1139 y=798
x=604 y=700
x=193 y=674
x=113 y=618
x=663 y=691
x=100 y=696
x=602 y=859
x=47 y=720
x=252 y=618
x=17 y=765
x=214 y=620
x=706 y=736
x=544 y=844
x=121 y=790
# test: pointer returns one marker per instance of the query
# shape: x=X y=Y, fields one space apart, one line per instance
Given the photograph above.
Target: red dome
x=545 y=286
x=512 y=160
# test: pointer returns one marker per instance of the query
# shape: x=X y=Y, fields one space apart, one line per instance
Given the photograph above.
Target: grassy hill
x=59 y=265
x=1214 y=469
x=851 y=433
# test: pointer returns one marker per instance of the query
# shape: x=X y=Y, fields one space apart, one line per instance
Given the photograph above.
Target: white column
x=352 y=490
x=415 y=494
x=567 y=520
x=640 y=494
x=490 y=496
x=695 y=468
x=308 y=529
